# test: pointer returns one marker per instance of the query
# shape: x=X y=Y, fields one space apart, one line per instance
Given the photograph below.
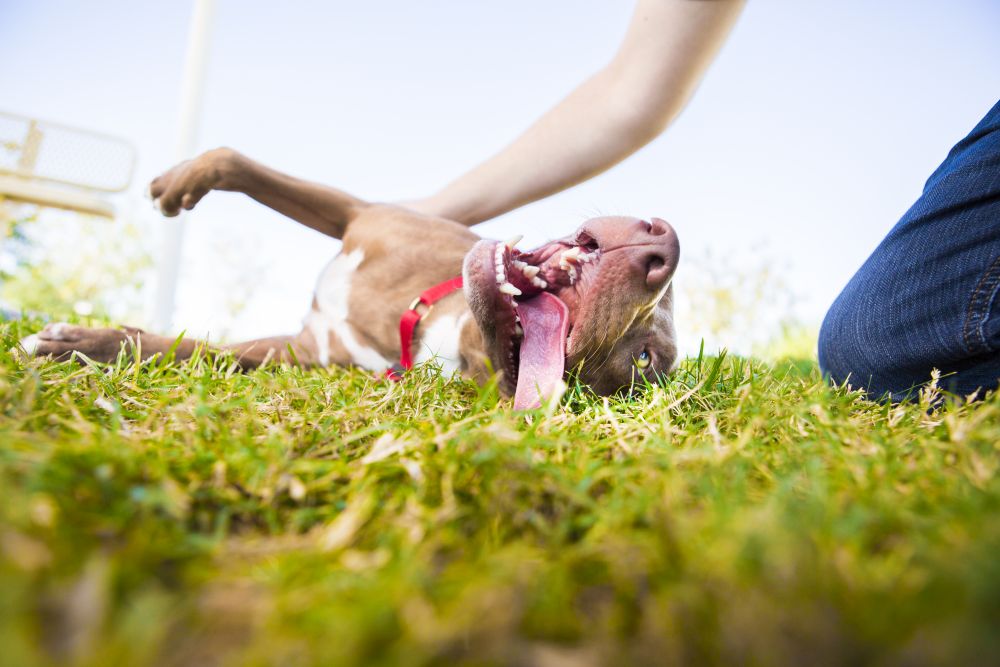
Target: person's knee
x=837 y=346
x=863 y=344
x=853 y=347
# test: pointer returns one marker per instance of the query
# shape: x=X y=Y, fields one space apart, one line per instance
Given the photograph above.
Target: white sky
x=812 y=133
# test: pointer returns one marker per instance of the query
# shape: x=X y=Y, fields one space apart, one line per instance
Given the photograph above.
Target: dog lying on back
x=598 y=301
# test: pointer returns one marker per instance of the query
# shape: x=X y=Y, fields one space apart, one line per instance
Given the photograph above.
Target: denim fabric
x=927 y=297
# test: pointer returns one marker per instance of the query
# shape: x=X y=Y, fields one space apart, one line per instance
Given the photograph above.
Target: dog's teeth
x=529 y=271
x=518 y=329
x=501 y=278
x=507 y=288
x=567 y=260
x=586 y=257
x=568 y=268
x=572 y=254
x=518 y=264
x=513 y=241
x=539 y=283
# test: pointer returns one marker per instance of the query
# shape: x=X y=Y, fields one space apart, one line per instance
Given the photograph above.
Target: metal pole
x=192 y=90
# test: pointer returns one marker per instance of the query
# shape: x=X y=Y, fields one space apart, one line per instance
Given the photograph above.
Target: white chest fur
x=331 y=317
x=439 y=342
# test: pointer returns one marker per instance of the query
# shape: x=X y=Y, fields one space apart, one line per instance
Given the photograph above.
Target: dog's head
x=599 y=301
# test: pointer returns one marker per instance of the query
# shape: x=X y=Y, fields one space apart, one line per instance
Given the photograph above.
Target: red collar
x=411 y=318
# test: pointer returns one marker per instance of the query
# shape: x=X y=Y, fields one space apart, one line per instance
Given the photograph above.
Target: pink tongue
x=545 y=319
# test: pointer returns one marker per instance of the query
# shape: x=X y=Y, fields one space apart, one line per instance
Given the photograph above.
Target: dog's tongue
x=545 y=319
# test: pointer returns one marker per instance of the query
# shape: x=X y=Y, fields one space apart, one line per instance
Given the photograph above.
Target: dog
x=598 y=302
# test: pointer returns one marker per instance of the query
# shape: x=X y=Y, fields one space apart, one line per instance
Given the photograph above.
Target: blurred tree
x=741 y=303
x=59 y=263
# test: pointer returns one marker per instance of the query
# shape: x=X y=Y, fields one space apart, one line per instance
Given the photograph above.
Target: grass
x=740 y=513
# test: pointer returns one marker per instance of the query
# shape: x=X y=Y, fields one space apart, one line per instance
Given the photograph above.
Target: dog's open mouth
x=516 y=297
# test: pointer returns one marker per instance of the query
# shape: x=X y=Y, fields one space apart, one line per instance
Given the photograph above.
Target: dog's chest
x=329 y=321
x=342 y=335
x=439 y=341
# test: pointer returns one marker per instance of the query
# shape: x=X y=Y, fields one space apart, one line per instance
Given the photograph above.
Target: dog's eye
x=642 y=361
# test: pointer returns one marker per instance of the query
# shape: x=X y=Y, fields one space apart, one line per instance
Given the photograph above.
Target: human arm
x=617 y=111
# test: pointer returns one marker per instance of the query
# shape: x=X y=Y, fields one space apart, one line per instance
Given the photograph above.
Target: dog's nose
x=662 y=253
x=658 y=270
x=660 y=227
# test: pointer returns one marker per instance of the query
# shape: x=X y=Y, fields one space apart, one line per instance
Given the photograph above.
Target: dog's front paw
x=59 y=340
x=183 y=186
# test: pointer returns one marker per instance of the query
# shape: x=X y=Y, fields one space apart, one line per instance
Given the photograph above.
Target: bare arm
x=325 y=209
x=620 y=109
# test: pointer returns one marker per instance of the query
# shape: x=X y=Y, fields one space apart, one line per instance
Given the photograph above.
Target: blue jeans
x=928 y=296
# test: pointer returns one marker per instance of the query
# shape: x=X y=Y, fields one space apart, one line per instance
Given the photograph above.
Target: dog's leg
x=319 y=207
x=61 y=340
x=300 y=349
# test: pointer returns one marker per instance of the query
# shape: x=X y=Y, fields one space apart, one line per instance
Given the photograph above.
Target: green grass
x=739 y=514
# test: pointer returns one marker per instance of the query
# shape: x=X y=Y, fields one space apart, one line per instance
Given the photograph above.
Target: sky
x=811 y=134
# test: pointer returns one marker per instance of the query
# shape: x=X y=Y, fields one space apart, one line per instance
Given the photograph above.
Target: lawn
x=740 y=513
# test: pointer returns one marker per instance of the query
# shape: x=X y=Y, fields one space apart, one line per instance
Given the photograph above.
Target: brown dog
x=598 y=301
